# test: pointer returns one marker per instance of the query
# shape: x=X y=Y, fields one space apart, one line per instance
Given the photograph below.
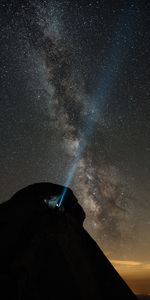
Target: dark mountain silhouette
x=46 y=253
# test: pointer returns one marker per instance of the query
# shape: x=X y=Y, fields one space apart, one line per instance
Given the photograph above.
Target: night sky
x=75 y=109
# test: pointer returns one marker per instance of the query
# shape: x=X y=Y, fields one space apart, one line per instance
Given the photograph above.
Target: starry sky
x=75 y=108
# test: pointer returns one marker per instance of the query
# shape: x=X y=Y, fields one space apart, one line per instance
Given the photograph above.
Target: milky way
x=69 y=69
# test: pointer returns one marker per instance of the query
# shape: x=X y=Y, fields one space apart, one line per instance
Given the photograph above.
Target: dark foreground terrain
x=46 y=253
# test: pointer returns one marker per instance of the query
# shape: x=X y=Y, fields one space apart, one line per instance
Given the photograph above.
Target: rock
x=47 y=254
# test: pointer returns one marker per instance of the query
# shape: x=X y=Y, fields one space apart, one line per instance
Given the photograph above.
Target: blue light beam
x=122 y=41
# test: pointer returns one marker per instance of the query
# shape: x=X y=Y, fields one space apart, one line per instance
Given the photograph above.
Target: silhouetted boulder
x=46 y=253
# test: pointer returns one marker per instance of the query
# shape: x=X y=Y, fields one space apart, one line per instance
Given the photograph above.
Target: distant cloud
x=127 y=263
x=135 y=268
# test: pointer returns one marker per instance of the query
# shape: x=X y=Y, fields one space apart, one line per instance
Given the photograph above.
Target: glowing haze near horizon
x=74 y=108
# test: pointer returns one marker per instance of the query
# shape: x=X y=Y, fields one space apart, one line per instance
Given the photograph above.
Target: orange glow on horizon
x=135 y=273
